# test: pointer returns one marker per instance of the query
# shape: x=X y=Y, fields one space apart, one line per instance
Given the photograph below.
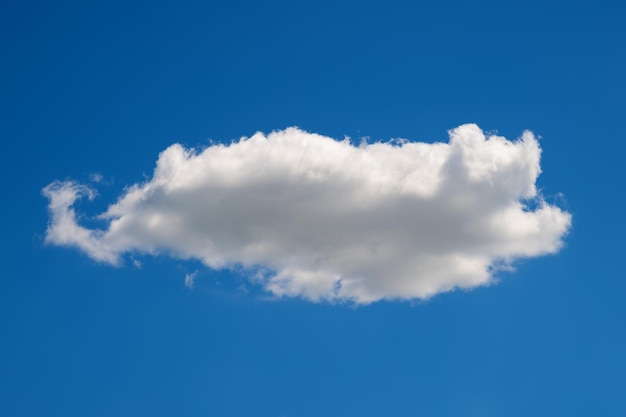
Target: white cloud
x=95 y=177
x=327 y=220
x=190 y=279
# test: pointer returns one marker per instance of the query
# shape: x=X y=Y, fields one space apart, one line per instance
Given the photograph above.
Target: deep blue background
x=105 y=87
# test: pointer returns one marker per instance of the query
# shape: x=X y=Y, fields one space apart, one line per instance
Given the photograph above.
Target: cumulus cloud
x=309 y=216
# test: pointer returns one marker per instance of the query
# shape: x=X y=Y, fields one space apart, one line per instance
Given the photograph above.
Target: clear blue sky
x=104 y=87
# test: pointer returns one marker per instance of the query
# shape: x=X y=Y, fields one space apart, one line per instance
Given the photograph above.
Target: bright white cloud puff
x=326 y=220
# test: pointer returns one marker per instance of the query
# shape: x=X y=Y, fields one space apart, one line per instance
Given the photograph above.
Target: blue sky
x=104 y=88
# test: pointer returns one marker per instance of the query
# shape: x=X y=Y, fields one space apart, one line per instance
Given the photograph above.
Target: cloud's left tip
x=64 y=230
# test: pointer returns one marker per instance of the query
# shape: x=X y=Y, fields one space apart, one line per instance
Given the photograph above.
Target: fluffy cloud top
x=325 y=220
